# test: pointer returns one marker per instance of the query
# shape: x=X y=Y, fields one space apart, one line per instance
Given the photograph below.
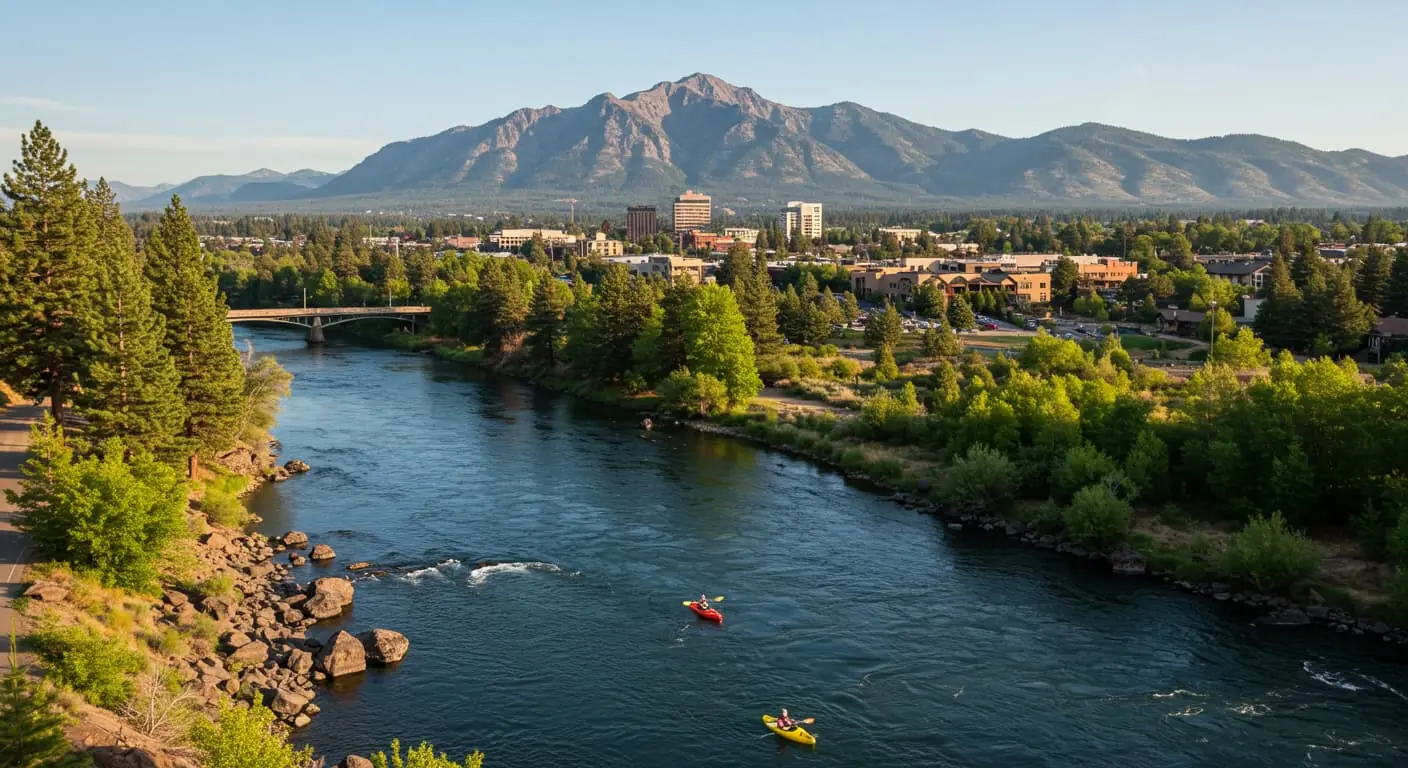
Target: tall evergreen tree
x=1280 y=319
x=761 y=310
x=132 y=389
x=1336 y=312
x=883 y=327
x=50 y=279
x=198 y=336
x=1307 y=263
x=1396 y=295
x=673 y=353
x=547 y=318
x=960 y=315
x=1371 y=281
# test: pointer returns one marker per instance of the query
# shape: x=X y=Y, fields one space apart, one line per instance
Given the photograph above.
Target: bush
x=423 y=757
x=982 y=481
x=1147 y=467
x=105 y=514
x=1175 y=517
x=1269 y=556
x=844 y=368
x=808 y=368
x=1398 y=540
x=1098 y=517
x=89 y=663
x=1397 y=607
x=695 y=393
x=241 y=738
x=1083 y=465
x=219 y=585
x=224 y=509
x=777 y=368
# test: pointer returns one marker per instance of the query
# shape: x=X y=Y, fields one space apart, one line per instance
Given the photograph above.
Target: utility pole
x=1212 y=330
x=305 y=297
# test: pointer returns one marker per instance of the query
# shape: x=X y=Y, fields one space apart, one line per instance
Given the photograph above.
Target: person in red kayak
x=785 y=721
x=703 y=603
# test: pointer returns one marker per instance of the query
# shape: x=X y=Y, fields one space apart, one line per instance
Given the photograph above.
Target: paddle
x=686 y=603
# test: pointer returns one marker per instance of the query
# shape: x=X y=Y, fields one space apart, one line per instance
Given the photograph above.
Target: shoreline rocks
x=383 y=646
x=322 y=552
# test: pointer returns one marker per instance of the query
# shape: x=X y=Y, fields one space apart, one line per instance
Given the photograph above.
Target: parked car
x=1031 y=325
x=989 y=326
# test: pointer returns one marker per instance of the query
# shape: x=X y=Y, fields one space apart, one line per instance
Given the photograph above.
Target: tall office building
x=693 y=211
x=797 y=214
x=640 y=222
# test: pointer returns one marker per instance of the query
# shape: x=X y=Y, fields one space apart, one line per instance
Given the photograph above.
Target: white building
x=806 y=216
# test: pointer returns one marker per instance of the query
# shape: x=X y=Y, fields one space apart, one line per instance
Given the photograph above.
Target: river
x=910 y=644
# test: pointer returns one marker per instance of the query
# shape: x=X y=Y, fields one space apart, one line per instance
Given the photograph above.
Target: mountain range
x=748 y=152
x=258 y=186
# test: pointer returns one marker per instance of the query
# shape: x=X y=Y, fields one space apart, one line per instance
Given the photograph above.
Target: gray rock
x=383 y=646
x=1129 y=564
x=253 y=653
x=46 y=592
x=1288 y=617
x=302 y=721
x=287 y=702
x=343 y=655
x=296 y=466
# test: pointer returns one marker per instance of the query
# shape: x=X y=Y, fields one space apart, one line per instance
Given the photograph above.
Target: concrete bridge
x=315 y=319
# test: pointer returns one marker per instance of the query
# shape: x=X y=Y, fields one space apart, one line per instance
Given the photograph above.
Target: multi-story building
x=693 y=211
x=894 y=282
x=902 y=234
x=600 y=245
x=668 y=266
x=799 y=215
x=1106 y=272
x=641 y=222
x=742 y=234
x=508 y=239
x=462 y=242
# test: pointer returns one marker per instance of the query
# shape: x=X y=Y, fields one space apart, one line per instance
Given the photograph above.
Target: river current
x=911 y=645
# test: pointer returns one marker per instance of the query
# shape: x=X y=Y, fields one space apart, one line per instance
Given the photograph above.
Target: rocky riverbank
x=256 y=644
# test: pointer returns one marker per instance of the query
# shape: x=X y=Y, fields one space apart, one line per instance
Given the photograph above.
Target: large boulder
x=1289 y=617
x=222 y=607
x=296 y=539
x=355 y=761
x=322 y=552
x=46 y=591
x=299 y=661
x=296 y=466
x=119 y=757
x=236 y=640
x=343 y=655
x=251 y=653
x=288 y=703
x=384 y=646
x=327 y=597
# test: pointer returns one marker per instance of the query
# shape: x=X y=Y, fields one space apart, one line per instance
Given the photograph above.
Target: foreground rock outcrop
x=383 y=646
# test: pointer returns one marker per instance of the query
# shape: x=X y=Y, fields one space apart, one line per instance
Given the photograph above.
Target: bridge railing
x=256 y=314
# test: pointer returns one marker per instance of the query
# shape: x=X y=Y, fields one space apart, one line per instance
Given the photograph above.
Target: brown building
x=1107 y=273
x=667 y=266
x=462 y=242
x=599 y=245
x=893 y=282
x=641 y=222
x=693 y=211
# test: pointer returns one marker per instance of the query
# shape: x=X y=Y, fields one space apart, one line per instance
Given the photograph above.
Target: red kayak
x=706 y=613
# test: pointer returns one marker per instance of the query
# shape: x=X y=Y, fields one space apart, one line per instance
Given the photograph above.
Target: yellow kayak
x=797 y=733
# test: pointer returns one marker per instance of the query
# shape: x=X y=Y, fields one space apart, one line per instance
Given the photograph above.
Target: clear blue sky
x=157 y=90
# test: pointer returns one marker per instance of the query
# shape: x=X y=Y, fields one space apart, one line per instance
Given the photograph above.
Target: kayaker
x=703 y=603
x=785 y=722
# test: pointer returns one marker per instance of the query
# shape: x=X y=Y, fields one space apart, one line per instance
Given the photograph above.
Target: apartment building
x=641 y=222
x=462 y=242
x=742 y=234
x=901 y=234
x=509 y=239
x=896 y=282
x=1106 y=272
x=797 y=215
x=692 y=210
x=600 y=245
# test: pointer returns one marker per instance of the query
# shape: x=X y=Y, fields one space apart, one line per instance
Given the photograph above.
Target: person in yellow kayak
x=785 y=721
x=703 y=603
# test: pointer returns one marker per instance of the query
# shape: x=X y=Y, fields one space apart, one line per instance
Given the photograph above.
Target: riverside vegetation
x=129 y=496
x=1266 y=472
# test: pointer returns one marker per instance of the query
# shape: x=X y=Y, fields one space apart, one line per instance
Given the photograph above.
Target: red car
x=989 y=326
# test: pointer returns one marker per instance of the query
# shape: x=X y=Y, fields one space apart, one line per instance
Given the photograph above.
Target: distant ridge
x=749 y=152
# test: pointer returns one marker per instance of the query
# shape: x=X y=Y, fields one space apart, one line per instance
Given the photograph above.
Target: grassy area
x=1151 y=343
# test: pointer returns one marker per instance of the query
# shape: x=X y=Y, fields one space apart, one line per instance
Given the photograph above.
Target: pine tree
x=32 y=723
x=198 y=336
x=47 y=290
x=1280 y=319
x=761 y=311
x=672 y=342
x=960 y=315
x=1337 y=313
x=883 y=327
x=547 y=318
x=1371 y=281
x=132 y=389
x=1396 y=295
x=1306 y=265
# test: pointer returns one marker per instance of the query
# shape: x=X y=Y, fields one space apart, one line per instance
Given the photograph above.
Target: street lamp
x=1212 y=329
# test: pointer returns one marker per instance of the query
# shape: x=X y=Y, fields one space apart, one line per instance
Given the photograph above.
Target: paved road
x=14 y=441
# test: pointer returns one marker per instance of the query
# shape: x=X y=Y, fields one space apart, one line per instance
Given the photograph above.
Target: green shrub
x=219 y=585
x=844 y=368
x=808 y=368
x=107 y=513
x=243 y=738
x=169 y=641
x=1147 y=467
x=1098 y=517
x=1398 y=540
x=423 y=756
x=983 y=480
x=224 y=509
x=1175 y=517
x=693 y=393
x=1396 y=609
x=93 y=665
x=1269 y=556
x=777 y=368
x=205 y=628
x=1083 y=465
